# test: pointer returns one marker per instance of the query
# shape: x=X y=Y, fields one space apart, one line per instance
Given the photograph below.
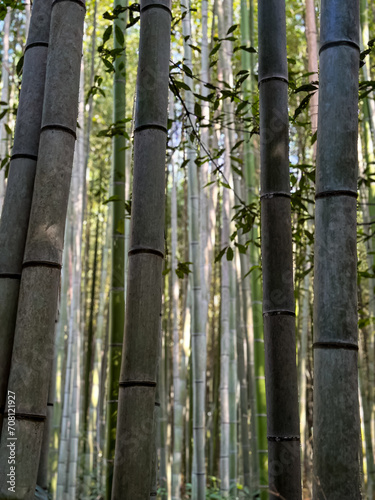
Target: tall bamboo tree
x=283 y=431
x=198 y=331
x=117 y=291
x=33 y=349
x=134 y=443
x=16 y=210
x=336 y=440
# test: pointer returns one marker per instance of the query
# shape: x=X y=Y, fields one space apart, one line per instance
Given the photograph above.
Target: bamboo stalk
x=142 y=330
x=16 y=210
x=336 y=441
x=33 y=349
x=283 y=431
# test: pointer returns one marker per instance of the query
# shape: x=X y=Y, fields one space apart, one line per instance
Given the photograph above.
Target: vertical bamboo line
x=33 y=350
x=117 y=291
x=283 y=433
x=16 y=210
x=135 y=429
x=336 y=441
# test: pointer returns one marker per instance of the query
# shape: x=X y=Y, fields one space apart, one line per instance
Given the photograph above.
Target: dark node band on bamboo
x=10 y=276
x=278 y=194
x=279 y=312
x=137 y=383
x=23 y=155
x=49 y=404
x=41 y=263
x=337 y=43
x=79 y=2
x=336 y=345
x=199 y=473
x=153 y=251
x=156 y=6
x=26 y=416
x=157 y=404
x=153 y=494
x=57 y=126
x=151 y=126
x=278 y=439
x=338 y=192
x=35 y=44
x=110 y=401
x=270 y=78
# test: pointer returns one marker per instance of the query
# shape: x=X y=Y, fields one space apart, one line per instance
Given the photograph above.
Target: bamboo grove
x=187 y=270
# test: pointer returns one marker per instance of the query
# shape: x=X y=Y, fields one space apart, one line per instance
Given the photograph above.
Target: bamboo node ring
x=137 y=383
x=337 y=43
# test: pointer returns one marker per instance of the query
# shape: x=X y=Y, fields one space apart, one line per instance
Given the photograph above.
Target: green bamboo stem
x=336 y=451
x=117 y=291
x=16 y=209
x=142 y=330
x=252 y=294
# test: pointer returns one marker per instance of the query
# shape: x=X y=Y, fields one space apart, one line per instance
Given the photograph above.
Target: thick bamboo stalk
x=33 y=349
x=16 y=210
x=283 y=431
x=336 y=440
x=142 y=330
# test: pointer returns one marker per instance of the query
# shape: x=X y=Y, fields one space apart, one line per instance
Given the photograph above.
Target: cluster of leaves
x=12 y=4
x=107 y=55
x=116 y=129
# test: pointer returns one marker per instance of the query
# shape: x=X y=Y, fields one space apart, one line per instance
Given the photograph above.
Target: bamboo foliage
x=336 y=450
x=4 y=99
x=34 y=333
x=142 y=330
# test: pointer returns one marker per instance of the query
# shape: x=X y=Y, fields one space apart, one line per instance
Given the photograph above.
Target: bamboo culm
x=33 y=350
x=135 y=429
x=16 y=210
x=336 y=440
x=283 y=431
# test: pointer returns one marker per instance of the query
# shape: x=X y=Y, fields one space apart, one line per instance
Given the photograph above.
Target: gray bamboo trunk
x=178 y=405
x=336 y=408
x=16 y=210
x=33 y=349
x=198 y=329
x=283 y=431
x=134 y=442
